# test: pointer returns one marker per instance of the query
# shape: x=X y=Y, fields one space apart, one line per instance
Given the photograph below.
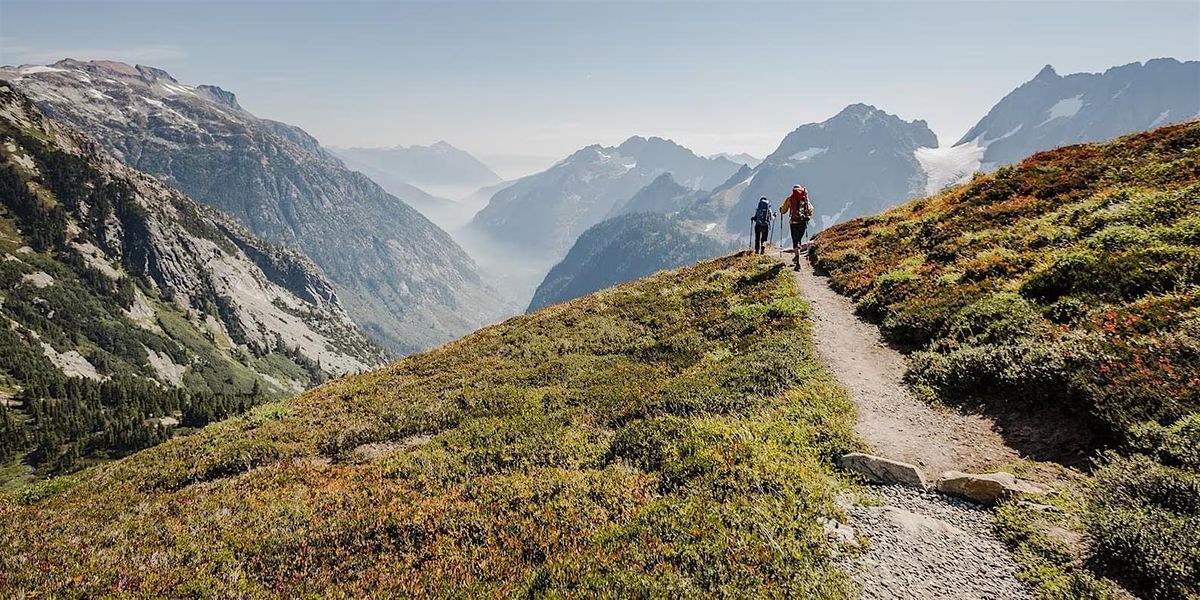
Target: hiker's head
x=800 y=192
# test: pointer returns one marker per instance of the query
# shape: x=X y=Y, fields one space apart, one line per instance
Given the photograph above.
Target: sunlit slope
x=1071 y=281
x=669 y=436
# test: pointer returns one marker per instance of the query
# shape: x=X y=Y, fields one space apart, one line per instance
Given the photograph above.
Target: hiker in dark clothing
x=762 y=218
x=801 y=210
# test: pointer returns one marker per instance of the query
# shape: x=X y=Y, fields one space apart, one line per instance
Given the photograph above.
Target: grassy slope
x=670 y=436
x=1072 y=279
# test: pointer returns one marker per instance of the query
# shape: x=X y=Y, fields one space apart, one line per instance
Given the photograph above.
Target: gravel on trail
x=926 y=545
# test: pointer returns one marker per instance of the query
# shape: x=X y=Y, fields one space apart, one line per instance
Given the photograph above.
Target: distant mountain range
x=1052 y=110
x=741 y=159
x=422 y=175
x=404 y=280
x=863 y=161
x=109 y=278
x=624 y=248
x=664 y=195
x=435 y=165
x=546 y=212
x=855 y=163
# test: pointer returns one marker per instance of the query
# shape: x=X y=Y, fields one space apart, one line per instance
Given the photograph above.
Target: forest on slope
x=1069 y=282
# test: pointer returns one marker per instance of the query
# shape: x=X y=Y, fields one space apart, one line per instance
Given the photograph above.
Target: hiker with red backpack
x=801 y=210
x=762 y=218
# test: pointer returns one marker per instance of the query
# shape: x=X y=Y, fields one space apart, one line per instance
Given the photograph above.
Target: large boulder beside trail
x=989 y=488
x=882 y=470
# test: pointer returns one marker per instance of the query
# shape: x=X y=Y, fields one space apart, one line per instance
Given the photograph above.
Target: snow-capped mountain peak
x=1053 y=110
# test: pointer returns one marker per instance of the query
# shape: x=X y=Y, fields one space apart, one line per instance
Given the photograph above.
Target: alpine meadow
x=878 y=300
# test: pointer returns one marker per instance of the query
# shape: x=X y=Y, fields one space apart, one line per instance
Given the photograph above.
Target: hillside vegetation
x=669 y=437
x=1071 y=281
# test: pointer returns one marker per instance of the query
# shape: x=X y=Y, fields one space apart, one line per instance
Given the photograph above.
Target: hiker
x=801 y=210
x=762 y=218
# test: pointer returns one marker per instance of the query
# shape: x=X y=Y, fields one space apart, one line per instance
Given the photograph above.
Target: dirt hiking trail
x=893 y=422
x=921 y=544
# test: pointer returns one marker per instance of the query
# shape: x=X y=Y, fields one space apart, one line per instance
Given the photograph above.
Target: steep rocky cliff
x=401 y=277
x=124 y=301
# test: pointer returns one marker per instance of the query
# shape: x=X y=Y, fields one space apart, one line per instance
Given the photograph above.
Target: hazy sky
x=523 y=84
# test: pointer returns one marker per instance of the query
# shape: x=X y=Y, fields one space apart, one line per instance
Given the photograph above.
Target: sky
x=524 y=84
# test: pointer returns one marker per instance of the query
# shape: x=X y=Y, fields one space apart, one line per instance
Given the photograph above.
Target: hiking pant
x=797 y=236
x=761 y=234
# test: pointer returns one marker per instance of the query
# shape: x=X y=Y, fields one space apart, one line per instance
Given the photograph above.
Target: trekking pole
x=779 y=246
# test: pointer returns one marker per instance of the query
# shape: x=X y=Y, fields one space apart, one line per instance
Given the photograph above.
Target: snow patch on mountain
x=35 y=69
x=948 y=166
x=985 y=141
x=174 y=89
x=828 y=221
x=98 y=95
x=807 y=153
x=1065 y=108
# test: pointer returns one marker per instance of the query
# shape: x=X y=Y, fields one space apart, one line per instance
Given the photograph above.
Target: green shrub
x=48 y=488
x=1071 y=282
x=1144 y=518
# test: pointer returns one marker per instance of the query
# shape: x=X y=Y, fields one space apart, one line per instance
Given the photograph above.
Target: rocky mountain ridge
x=1053 y=110
x=113 y=284
x=857 y=162
x=547 y=211
x=402 y=279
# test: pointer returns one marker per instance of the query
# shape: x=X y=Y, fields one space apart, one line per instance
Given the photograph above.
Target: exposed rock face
x=125 y=235
x=856 y=163
x=882 y=470
x=401 y=278
x=546 y=212
x=987 y=489
x=1052 y=110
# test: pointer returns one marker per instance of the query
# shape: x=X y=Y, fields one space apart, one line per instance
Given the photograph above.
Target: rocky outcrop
x=877 y=469
x=989 y=489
